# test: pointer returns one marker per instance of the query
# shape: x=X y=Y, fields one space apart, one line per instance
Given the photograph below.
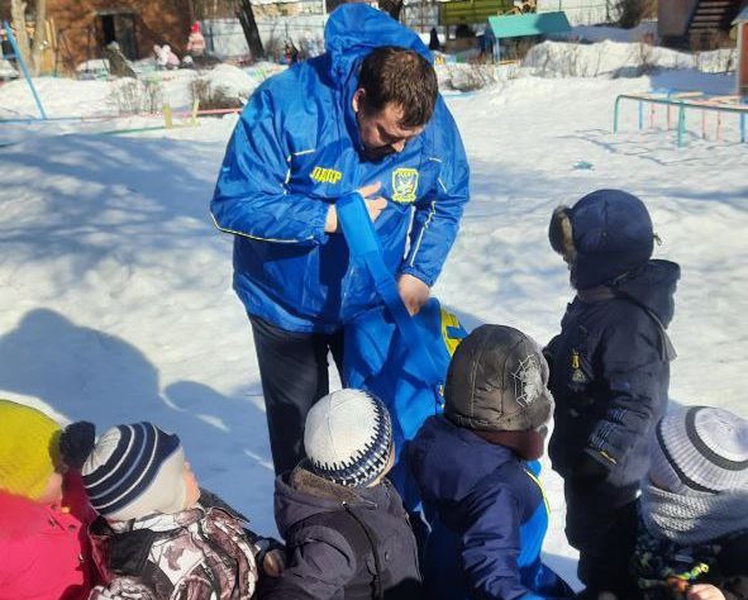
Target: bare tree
x=18 y=14
x=40 y=36
x=393 y=7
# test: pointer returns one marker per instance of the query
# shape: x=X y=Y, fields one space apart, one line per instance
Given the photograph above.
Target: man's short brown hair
x=402 y=77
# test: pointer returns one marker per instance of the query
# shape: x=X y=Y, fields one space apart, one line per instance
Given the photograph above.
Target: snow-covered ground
x=117 y=303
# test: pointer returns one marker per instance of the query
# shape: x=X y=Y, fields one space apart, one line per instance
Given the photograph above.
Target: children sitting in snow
x=693 y=537
x=484 y=500
x=165 y=58
x=610 y=371
x=347 y=534
x=43 y=511
x=157 y=537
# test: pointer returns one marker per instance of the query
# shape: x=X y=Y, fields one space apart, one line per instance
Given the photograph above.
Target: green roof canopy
x=510 y=26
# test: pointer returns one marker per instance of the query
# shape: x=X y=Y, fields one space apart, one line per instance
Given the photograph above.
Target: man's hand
x=413 y=291
x=704 y=591
x=375 y=206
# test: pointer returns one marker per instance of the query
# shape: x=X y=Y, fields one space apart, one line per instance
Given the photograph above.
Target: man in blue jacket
x=364 y=118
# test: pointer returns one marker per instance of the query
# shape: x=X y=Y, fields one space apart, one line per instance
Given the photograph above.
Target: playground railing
x=683 y=101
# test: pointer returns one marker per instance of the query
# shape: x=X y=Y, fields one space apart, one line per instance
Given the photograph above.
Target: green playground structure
x=528 y=24
x=681 y=101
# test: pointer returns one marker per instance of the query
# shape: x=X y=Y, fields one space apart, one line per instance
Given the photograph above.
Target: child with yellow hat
x=43 y=511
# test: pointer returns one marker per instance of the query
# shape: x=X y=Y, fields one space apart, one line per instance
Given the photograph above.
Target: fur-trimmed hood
x=300 y=494
x=604 y=235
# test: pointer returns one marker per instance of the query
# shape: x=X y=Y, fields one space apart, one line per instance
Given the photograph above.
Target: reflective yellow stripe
x=423 y=230
x=542 y=491
x=255 y=237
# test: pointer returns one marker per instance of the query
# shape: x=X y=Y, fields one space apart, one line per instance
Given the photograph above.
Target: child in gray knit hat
x=159 y=535
x=693 y=536
x=347 y=534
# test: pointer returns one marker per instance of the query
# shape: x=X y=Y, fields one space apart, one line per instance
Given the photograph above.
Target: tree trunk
x=40 y=36
x=247 y=19
x=18 y=14
x=392 y=7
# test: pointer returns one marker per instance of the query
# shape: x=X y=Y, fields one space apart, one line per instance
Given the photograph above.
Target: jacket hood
x=653 y=286
x=448 y=461
x=300 y=494
x=352 y=32
x=355 y=29
x=612 y=234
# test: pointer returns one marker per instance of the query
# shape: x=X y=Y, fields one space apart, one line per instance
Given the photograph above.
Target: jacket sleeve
x=632 y=366
x=490 y=545
x=251 y=198
x=124 y=588
x=437 y=216
x=317 y=569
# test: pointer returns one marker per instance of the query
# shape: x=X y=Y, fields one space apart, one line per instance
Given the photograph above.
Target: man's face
x=381 y=133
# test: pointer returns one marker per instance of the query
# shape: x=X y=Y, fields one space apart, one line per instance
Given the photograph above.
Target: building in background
x=81 y=29
x=699 y=24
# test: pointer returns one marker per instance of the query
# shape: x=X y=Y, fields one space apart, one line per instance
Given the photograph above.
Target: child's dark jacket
x=331 y=533
x=488 y=516
x=609 y=377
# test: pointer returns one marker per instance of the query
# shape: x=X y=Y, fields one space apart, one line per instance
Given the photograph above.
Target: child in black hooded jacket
x=610 y=371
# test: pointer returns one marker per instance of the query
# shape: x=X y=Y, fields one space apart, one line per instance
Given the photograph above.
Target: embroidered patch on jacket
x=324 y=175
x=528 y=381
x=404 y=185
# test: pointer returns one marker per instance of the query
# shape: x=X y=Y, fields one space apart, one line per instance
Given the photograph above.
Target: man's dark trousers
x=294 y=372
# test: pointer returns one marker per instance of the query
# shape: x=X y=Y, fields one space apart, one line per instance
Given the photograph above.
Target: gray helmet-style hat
x=497 y=381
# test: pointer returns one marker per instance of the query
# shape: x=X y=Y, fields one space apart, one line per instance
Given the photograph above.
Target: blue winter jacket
x=488 y=517
x=296 y=150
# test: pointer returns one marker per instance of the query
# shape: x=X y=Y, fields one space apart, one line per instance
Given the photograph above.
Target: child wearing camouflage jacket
x=610 y=372
x=693 y=532
x=158 y=535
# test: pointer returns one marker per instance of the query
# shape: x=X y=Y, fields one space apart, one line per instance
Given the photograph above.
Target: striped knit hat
x=29 y=449
x=134 y=471
x=700 y=448
x=348 y=437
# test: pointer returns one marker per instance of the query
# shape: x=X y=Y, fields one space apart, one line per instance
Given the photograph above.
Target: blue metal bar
x=25 y=71
x=615 y=115
x=51 y=119
x=681 y=123
x=736 y=108
x=641 y=115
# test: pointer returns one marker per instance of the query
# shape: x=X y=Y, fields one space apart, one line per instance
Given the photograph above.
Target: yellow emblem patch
x=404 y=185
x=324 y=175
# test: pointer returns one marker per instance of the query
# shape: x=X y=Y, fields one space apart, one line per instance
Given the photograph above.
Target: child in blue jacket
x=610 y=371
x=483 y=499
